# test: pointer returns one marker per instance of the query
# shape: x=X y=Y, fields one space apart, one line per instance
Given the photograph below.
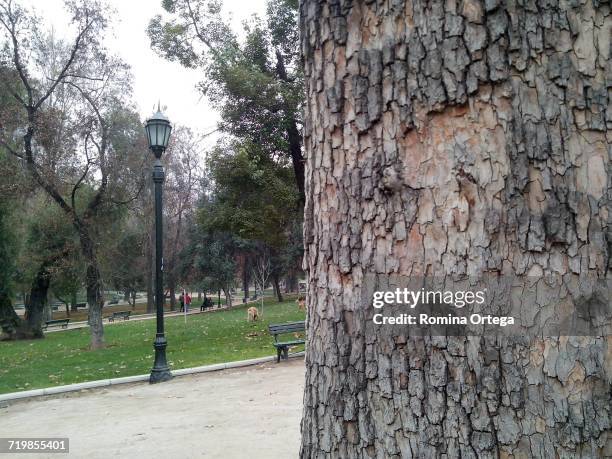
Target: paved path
x=252 y=412
x=192 y=311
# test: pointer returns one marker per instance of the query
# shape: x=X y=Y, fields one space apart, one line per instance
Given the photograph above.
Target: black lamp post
x=158 y=130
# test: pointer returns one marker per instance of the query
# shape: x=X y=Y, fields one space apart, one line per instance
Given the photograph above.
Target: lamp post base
x=161 y=370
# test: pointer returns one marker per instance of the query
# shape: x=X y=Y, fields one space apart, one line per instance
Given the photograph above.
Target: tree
x=129 y=261
x=70 y=100
x=254 y=199
x=261 y=273
x=10 y=322
x=255 y=83
x=47 y=251
x=209 y=257
x=455 y=139
x=182 y=180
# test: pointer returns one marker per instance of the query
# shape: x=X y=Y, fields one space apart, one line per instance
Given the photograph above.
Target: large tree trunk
x=277 y=290
x=10 y=322
x=73 y=302
x=38 y=303
x=93 y=287
x=455 y=138
x=30 y=327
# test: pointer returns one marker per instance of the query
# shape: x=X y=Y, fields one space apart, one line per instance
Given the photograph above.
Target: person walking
x=182 y=302
x=187 y=302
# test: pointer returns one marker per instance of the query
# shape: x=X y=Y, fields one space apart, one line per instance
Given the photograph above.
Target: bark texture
x=454 y=137
x=93 y=286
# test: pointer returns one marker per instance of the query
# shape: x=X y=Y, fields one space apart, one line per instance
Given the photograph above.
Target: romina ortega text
x=425 y=319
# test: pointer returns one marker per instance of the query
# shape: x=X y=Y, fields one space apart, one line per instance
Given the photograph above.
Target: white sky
x=154 y=77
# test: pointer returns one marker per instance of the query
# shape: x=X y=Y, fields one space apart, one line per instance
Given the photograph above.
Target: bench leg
x=286 y=353
x=278 y=354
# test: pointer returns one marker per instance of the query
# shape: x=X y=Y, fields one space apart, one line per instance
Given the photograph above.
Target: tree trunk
x=454 y=138
x=279 y=294
x=245 y=279
x=93 y=287
x=293 y=133
x=10 y=322
x=172 y=288
x=228 y=297
x=36 y=307
x=291 y=282
x=73 y=302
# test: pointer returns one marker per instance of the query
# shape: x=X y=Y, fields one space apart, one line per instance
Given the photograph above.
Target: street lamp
x=158 y=130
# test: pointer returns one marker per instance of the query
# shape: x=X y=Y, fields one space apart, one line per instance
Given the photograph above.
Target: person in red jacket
x=187 y=302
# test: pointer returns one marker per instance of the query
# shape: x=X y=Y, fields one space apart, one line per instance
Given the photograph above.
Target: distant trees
x=256 y=83
x=256 y=172
x=72 y=130
x=254 y=198
x=183 y=186
x=10 y=323
x=210 y=257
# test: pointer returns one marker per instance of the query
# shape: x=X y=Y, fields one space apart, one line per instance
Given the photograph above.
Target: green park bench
x=282 y=347
x=120 y=314
x=51 y=323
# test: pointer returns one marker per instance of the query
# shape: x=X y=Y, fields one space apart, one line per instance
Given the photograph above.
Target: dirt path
x=253 y=412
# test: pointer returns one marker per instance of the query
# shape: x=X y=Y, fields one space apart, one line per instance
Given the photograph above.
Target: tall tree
x=183 y=176
x=256 y=83
x=10 y=323
x=455 y=138
x=71 y=100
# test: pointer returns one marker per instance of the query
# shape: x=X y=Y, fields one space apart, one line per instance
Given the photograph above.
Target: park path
x=250 y=412
x=192 y=311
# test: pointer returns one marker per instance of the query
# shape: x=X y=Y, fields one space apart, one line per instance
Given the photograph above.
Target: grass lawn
x=214 y=337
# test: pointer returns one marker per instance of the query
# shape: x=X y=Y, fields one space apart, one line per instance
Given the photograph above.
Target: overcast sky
x=154 y=78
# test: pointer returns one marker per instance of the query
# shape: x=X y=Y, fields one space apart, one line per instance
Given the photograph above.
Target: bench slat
x=289 y=343
x=278 y=329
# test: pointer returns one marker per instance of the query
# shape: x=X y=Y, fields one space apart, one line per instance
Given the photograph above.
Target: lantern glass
x=158 y=129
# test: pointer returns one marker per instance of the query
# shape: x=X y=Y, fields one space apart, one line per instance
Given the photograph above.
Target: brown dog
x=253 y=314
x=301 y=302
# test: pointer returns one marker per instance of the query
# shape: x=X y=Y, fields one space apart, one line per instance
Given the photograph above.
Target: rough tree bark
x=10 y=322
x=30 y=327
x=93 y=285
x=454 y=137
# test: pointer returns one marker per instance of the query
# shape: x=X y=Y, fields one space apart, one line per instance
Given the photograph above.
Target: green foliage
x=208 y=259
x=127 y=270
x=253 y=197
x=8 y=250
x=50 y=239
x=256 y=83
